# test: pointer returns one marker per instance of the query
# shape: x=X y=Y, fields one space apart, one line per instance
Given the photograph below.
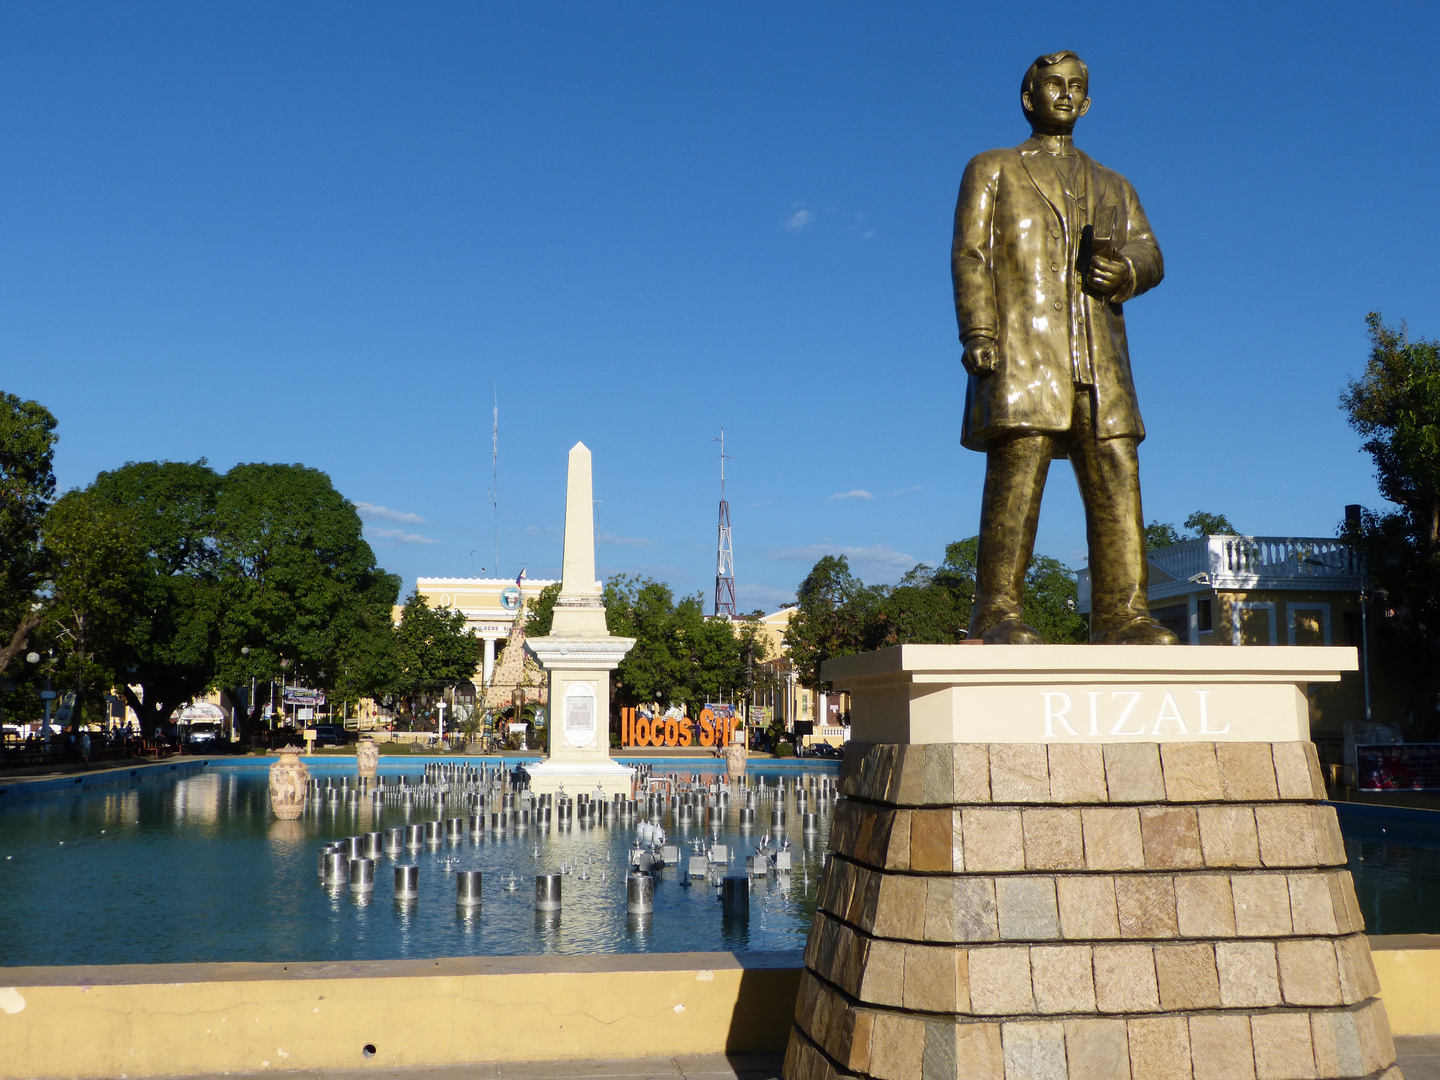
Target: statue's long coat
x=1017 y=280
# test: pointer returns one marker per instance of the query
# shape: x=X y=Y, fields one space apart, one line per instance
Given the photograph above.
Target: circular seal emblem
x=510 y=598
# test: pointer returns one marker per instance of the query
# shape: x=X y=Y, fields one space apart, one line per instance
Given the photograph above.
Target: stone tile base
x=1138 y=911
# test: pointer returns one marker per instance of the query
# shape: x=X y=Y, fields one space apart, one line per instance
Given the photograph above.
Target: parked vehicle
x=330 y=735
x=203 y=731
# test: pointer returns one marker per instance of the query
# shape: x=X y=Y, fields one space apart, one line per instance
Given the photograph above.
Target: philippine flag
x=521 y=579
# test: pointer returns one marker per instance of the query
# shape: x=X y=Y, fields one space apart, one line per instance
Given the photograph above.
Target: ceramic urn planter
x=289 y=784
x=367 y=757
x=735 y=761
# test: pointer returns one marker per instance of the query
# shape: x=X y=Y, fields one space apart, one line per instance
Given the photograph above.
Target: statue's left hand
x=1107 y=277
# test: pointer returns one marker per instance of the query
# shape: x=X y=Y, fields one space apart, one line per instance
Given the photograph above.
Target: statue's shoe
x=1010 y=632
x=1138 y=631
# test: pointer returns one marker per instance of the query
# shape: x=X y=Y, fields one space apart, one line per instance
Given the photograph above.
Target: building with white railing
x=1262 y=590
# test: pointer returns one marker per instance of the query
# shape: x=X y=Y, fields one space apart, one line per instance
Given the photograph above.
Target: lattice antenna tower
x=495 y=481
x=724 y=555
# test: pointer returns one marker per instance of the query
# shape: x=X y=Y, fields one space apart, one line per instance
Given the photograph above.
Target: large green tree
x=166 y=656
x=680 y=657
x=96 y=583
x=1160 y=534
x=303 y=598
x=838 y=615
x=435 y=650
x=1395 y=406
x=27 y=485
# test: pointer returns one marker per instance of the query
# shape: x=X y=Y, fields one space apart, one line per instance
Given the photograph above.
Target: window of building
x=1205 y=619
x=1252 y=622
x=1308 y=624
x=1175 y=618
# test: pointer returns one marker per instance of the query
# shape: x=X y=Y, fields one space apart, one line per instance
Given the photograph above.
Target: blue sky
x=336 y=233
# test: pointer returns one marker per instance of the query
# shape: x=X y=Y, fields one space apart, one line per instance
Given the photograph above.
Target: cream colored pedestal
x=1135 y=886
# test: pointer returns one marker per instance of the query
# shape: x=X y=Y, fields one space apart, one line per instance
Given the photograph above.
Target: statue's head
x=1055 y=93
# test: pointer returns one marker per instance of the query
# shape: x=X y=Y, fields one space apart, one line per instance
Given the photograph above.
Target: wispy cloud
x=858 y=493
x=875 y=560
x=371 y=512
x=799 y=221
x=400 y=536
x=623 y=541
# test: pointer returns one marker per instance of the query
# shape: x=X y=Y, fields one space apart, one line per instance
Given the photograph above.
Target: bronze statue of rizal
x=1048 y=247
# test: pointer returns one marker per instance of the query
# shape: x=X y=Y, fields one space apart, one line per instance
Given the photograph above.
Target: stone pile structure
x=1132 y=910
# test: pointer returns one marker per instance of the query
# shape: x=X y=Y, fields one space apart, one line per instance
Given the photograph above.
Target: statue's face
x=1058 y=98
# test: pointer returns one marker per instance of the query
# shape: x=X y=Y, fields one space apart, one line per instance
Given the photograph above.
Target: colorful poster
x=1398 y=767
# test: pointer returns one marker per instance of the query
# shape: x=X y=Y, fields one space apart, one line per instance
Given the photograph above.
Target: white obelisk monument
x=578 y=654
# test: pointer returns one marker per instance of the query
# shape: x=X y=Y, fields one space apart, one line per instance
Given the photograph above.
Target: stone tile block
x=897 y=1046
x=1297 y=771
x=1171 y=837
x=936 y=979
x=1191 y=772
x=979 y=1054
x=1312 y=904
x=1204 y=906
x=1019 y=773
x=1062 y=979
x=1287 y=834
x=1348 y=911
x=1228 y=836
x=1309 y=974
x=900 y=907
x=1112 y=838
x=891 y=849
x=1159 y=1048
x=1087 y=907
x=974 y=913
x=993 y=839
x=1187 y=977
x=883 y=982
x=861 y=1028
x=1249 y=977
x=1336 y=1042
x=1146 y=906
x=940 y=909
x=1097 y=1048
x=939 y=777
x=971 y=772
x=1052 y=838
x=1132 y=773
x=852 y=767
x=1372 y=1027
x=1247 y=771
x=1077 y=773
x=1329 y=845
x=1262 y=904
x=1125 y=979
x=1358 y=980
x=907 y=778
x=1000 y=981
x=1283 y=1048
x=1220 y=1047
x=1034 y=1049
x=1027 y=908
x=931 y=844
x=939 y=1060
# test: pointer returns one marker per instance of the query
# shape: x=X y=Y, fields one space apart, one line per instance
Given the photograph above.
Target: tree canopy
x=1160 y=534
x=27 y=485
x=1395 y=407
x=838 y=615
x=302 y=595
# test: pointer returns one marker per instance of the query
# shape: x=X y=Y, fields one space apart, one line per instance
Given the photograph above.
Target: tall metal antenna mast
x=724 y=556
x=495 y=479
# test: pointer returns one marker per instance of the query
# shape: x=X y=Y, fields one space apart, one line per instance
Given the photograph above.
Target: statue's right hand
x=980 y=356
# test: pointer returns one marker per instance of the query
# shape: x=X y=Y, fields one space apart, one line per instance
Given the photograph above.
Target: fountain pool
x=193 y=867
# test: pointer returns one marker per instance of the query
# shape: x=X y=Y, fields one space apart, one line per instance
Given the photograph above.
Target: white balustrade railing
x=1253 y=562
